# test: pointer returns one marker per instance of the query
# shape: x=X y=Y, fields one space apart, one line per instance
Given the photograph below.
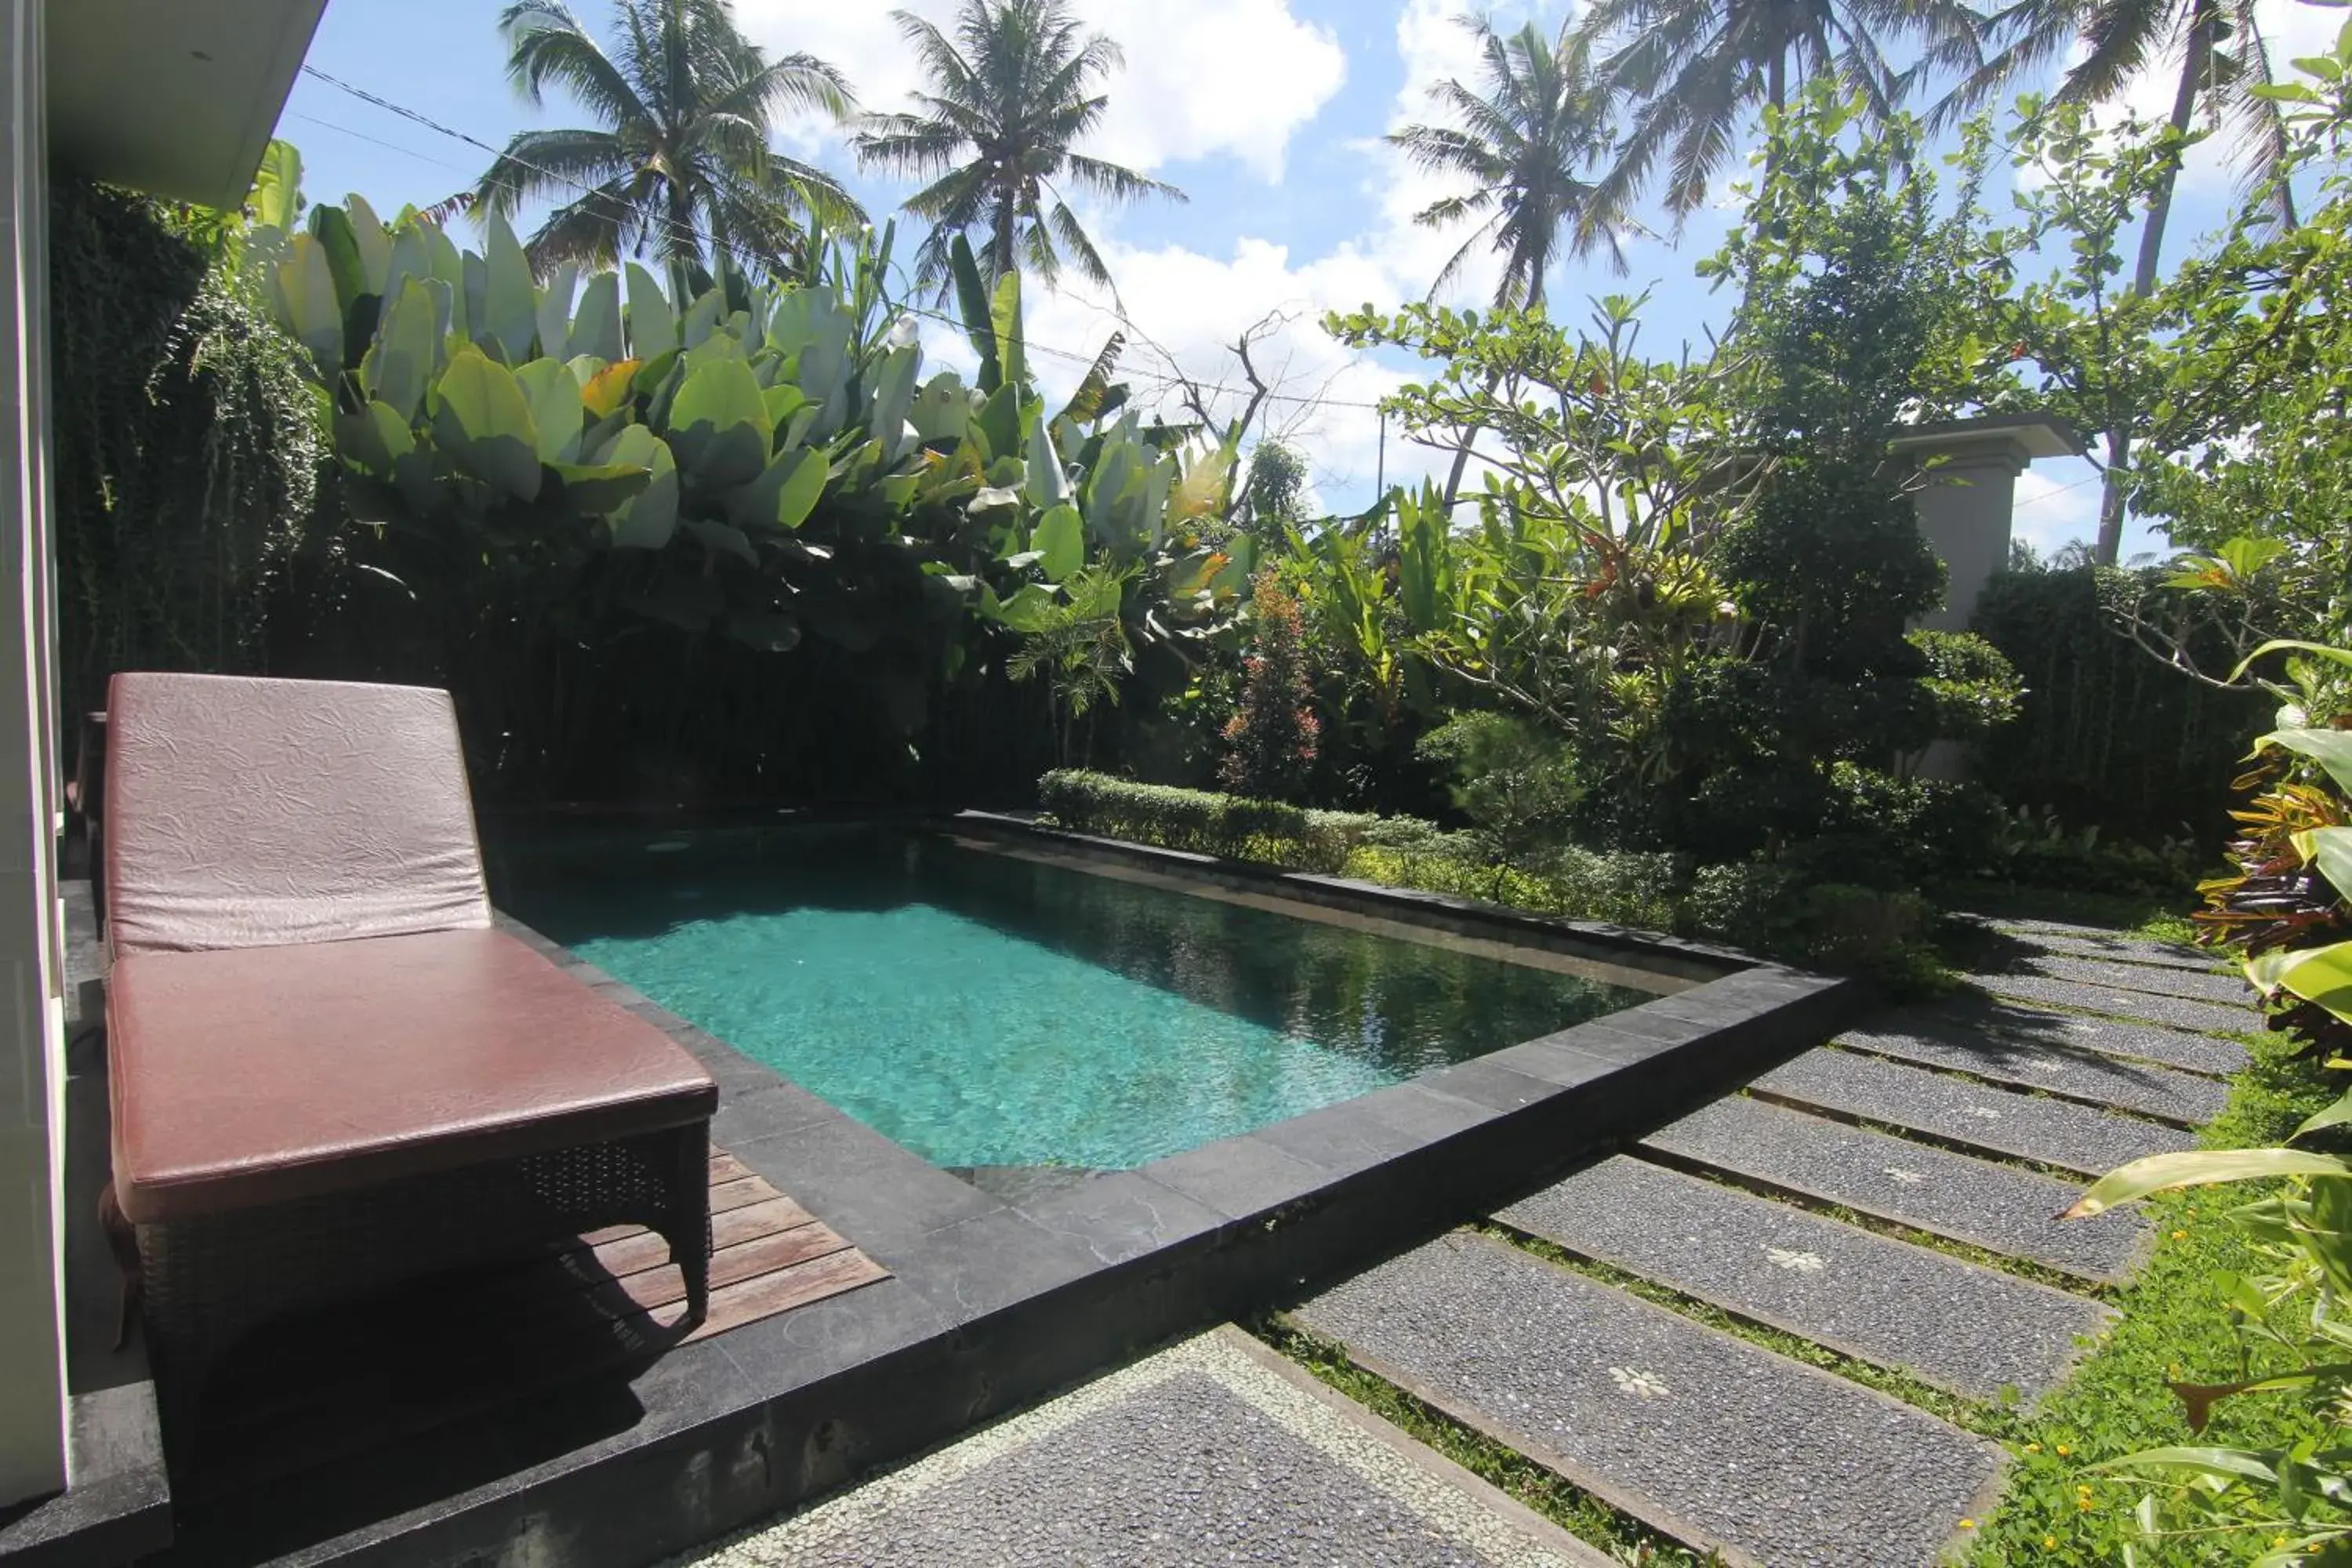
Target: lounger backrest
x=248 y=813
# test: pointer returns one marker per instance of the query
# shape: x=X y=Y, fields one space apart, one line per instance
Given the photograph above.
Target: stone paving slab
x=2226 y=989
x=1711 y=1439
x=1996 y=1206
x=1927 y=1035
x=1953 y=1323
x=2117 y=949
x=1213 y=1451
x=2172 y=1012
x=2208 y=1054
x=2053 y=1131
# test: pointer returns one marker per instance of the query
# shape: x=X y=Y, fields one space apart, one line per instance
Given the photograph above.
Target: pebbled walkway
x=1999 y=1207
x=2096 y=1051
x=1953 y=1323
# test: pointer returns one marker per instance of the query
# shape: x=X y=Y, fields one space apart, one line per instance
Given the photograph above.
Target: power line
x=677 y=228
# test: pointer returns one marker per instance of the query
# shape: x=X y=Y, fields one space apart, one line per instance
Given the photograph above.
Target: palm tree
x=1697 y=66
x=2222 y=62
x=682 y=155
x=1521 y=144
x=999 y=129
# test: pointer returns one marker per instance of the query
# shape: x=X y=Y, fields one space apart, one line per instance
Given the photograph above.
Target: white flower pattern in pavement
x=1794 y=1261
x=1641 y=1385
x=1906 y=1178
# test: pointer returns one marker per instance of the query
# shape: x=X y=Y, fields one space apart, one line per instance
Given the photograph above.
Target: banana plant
x=760 y=460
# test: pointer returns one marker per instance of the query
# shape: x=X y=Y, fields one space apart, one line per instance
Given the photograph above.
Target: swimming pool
x=987 y=1008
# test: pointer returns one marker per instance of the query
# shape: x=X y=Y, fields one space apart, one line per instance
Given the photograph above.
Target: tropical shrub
x=1273 y=729
x=564 y=496
x=1975 y=688
x=2285 y=912
x=1516 y=783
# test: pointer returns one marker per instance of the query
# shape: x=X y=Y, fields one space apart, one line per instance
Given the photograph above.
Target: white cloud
x=1237 y=78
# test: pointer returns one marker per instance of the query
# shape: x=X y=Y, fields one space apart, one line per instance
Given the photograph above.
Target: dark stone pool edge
x=993 y=1305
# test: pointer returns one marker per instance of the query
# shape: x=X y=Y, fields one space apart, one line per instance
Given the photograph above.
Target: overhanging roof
x=176 y=98
x=2035 y=435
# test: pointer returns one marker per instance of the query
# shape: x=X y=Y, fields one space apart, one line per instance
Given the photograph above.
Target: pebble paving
x=1996 y=1206
x=2208 y=1054
x=1201 y=1454
x=1715 y=1440
x=2172 y=1012
x=1926 y=1037
x=1952 y=1322
x=2053 y=1131
x=2120 y=950
x=2207 y=987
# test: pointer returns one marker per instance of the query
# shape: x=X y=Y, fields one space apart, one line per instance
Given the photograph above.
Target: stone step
x=1929 y=1036
x=2173 y=1013
x=1708 y=1437
x=2208 y=1054
x=1950 y=1322
x=2226 y=989
x=1999 y=1207
x=2118 y=950
x=2027 y=1127
x=1215 y=1450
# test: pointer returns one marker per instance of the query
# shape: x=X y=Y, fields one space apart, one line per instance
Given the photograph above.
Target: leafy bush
x=1879 y=828
x=1273 y=734
x=1516 y=783
x=1975 y=688
x=1205 y=823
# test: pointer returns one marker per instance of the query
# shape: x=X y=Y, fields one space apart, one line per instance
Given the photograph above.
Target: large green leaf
x=894 y=395
x=653 y=326
x=399 y=364
x=943 y=410
x=306 y=297
x=1004 y=315
x=484 y=424
x=556 y=409
x=784 y=493
x=2199 y=1167
x=598 y=490
x=972 y=302
x=2290 y=645
x=2330 y=849
x=510 y=301
x=339 y=245
x=718 y=425
x=2331 y=749
x=1060 y=542
x=2320 y=976
x=649 y=518
x=554 y=323
x=374 y=246
x=596 y=324
x=374 y=439
x=276 y=187
x=1046 y=485
x=723 y=539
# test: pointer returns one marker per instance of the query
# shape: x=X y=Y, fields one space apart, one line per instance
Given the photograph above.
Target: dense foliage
x=186 y=446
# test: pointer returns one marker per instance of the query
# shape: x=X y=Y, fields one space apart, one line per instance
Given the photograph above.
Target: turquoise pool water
x=986 y=1010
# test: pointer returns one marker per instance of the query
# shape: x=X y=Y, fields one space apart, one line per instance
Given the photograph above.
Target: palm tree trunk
x=1461 y=453
x=1000 y=244
x=2197 y=50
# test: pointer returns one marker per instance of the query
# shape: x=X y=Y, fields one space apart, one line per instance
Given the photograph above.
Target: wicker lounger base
x=209 y=1280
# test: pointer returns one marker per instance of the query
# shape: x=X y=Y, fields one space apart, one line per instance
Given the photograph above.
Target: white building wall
x=32 y=1076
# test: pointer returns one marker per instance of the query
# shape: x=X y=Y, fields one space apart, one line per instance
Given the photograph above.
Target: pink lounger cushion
x=243 y=812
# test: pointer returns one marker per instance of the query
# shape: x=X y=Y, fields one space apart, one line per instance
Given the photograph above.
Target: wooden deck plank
x=461 y=1346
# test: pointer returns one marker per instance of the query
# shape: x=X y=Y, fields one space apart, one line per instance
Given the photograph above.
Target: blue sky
x=1268 y=114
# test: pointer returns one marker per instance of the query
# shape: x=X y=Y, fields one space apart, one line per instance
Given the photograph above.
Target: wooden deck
x=571 y=1323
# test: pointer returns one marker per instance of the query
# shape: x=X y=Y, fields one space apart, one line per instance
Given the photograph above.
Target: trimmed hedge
x=1298 y=837
x=2107 y=736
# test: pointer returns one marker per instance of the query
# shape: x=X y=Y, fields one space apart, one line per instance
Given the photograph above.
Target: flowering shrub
x=1274 y=736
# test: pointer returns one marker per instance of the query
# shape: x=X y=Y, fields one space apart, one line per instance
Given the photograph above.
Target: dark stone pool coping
x=991 y=1305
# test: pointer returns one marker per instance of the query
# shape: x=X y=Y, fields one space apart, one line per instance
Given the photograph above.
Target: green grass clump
x=2054 y=1509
